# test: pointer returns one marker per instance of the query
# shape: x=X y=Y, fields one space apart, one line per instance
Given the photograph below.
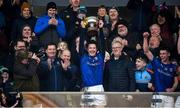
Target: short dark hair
x=142 y=57
x=101 y=6
x=51 y=5
x=164 y=48
x=50 y=44
x=91 y=42
x=19 y=40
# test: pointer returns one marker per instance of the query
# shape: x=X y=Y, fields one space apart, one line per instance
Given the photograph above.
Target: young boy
x=142 y=76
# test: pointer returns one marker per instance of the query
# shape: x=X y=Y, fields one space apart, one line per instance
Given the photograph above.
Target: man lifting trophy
x=91 y=23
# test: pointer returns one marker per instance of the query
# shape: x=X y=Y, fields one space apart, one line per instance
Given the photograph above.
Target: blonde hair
x=116 y=41
x=59 y=49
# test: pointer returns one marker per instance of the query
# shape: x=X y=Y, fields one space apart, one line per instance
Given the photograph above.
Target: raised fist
x=145 y=34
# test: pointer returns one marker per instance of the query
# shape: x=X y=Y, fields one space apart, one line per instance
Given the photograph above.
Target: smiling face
x=102 y=12
x=122 y=30
x=113 y=14
x=26 y=13
x=92 y=49
x=51 y=51
x=117 y=48
x=52 y=12
x=161 y=19
x=26 y=32
x=5 y=75
x=155 y=30
x=66 y=55
x=164 y=55
x=62 y=46
x=140 y=64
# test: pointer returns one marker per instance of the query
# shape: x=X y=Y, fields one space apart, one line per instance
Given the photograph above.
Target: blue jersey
x=163 y=75
x=142 y=77
x=92 y=70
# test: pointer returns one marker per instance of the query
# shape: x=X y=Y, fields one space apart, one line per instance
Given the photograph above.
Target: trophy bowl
x=92 y=25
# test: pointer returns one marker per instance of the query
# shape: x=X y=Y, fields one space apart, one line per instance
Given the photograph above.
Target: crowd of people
x=63 y=51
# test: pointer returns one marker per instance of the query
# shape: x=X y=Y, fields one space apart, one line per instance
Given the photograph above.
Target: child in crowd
x=142 y=76
x=62 y=45
x=6 y=84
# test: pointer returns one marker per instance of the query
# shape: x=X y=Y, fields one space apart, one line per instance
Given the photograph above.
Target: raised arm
x=146 y=47
x=178 y=44
x=82 y=39
x=101 y=38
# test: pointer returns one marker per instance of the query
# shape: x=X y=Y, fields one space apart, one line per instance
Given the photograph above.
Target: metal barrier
x=112 y=99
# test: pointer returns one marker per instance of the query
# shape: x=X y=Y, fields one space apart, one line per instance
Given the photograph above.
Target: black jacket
x=54 y=79
x=119 y=75
x=18 y=25
x=72 y=24
x=25 y=76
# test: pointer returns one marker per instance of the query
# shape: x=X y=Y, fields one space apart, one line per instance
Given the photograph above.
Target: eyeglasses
x=20 y=46
x=115 y=47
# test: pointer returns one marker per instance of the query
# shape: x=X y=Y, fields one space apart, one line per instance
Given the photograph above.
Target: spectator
x=165 y=79
x=75 y=52
x=9 y=63
x=142 y=75
x=102 y=14
x=10 y=100
x=6 y=83
x=31 y=40
x=114 y=18
x=130 y=38
x=12 y=11
x=26 y=18
x=61 y=47
x=50 y=27
x=70 y=17
x=25 y=76
x=50 y=71
x=154 y=44
x=165 y=21
x=155 y=30
x=119 y=75
x=68 y=67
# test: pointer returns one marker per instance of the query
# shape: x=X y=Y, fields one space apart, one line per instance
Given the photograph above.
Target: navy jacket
x=50 y=80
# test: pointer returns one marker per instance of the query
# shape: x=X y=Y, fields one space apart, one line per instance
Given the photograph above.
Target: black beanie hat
x=51 y=5
x=113 y=7
x=123 y=22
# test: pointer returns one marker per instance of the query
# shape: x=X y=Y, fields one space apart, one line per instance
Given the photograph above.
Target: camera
x=41 y=53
